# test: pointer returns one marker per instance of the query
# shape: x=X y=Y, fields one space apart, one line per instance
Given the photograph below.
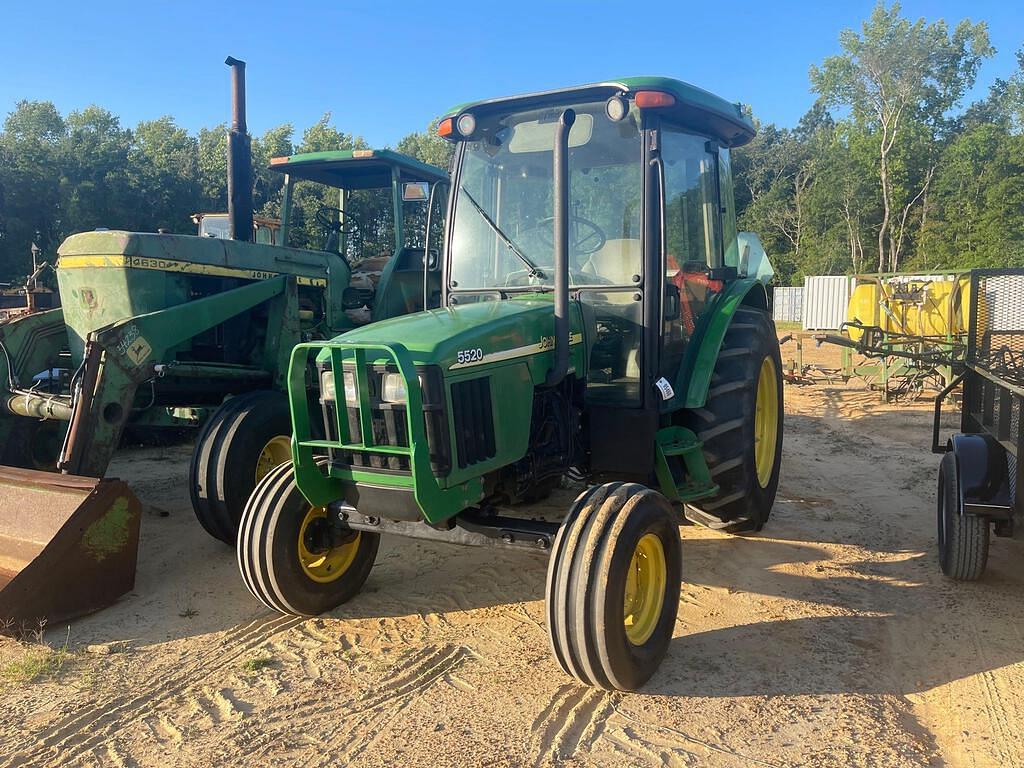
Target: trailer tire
x=743 y=411
x=612 y=587
x=963 y=539
x=244 y=439
x=276 y=563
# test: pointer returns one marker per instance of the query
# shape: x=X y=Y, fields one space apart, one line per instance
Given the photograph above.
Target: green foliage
x=893 y=179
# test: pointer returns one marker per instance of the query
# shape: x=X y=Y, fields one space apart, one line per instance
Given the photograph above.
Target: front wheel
x=613 y=586
x=291 y=558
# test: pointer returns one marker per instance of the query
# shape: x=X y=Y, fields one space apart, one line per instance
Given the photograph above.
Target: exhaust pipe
x=561 y=239
x=239 y=159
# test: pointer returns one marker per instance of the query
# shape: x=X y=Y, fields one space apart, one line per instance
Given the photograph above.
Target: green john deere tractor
x=601 y=318
x=169 y=331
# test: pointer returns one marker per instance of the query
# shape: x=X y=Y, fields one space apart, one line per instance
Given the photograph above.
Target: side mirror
x=415 y=192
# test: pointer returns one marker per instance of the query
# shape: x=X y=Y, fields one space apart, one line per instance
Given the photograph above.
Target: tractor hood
x=194 y=255
x=473 y=335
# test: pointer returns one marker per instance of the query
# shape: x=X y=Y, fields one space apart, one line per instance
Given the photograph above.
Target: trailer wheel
x=244 y=439
x=287 y=556
x=741 y=425
x=613 y=586
x=963 y=539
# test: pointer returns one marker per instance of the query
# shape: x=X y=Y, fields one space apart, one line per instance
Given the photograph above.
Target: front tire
x=613 y=586
x=286 y=563
x=741 y=426
x=245 y=438
x=963 y=539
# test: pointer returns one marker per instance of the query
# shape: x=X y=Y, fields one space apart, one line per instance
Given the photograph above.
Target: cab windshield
x=503 y=226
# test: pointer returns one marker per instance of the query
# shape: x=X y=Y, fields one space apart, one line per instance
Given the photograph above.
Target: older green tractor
x=601 y=319
x=160 y=331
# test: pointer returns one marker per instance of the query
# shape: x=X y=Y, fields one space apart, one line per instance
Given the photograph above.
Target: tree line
x=888 y=170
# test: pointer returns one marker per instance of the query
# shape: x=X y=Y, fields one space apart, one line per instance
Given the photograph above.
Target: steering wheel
x=585 y=236
x=344 y=224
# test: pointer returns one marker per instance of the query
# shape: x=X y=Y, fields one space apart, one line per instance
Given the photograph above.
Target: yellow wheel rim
x=766 y=422
x=325 y=567
x=276 y=452
x=645 y=589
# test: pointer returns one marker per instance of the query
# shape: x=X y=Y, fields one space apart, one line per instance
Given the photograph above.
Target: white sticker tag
x=667 y=393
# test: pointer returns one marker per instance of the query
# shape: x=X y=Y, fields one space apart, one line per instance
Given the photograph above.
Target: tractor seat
x=616 y=261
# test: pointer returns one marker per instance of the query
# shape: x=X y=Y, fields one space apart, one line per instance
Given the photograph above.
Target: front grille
x=390 y=425
x=473 y=421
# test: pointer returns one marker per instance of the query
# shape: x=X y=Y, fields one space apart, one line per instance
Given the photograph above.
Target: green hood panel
x=487 y=332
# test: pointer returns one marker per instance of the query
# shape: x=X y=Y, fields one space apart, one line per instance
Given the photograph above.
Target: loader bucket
x=68 y=546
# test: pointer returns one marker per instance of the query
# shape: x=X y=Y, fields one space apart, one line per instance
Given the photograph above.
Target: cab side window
x=691 y=205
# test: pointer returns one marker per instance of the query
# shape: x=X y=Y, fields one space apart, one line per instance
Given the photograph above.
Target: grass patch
x=40 y=662
x=256 y=663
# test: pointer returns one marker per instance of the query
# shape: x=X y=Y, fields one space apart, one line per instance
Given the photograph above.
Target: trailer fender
x=982 y=472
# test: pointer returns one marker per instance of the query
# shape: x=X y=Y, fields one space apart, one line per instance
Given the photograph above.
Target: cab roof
x=356 y=168
x=694 y=107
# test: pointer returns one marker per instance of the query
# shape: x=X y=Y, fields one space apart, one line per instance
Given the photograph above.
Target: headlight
x=392 y=388
x=327 y=386
x=466 y=124
x=348 y=379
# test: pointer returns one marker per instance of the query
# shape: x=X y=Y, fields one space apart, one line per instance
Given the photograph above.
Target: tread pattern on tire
x=208 y=470
x=262 y=571
x=725 y=424
x=579 y=556
x=967 y=541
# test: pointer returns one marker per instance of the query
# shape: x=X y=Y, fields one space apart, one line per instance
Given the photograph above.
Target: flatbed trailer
x=979 y=491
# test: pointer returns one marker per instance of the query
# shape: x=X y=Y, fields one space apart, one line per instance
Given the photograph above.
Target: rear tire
x=962 y=539
x=613 y=586
x=279 y=565
x=735 y=426
x=244 y=439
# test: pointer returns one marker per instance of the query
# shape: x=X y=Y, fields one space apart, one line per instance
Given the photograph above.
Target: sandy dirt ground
x=830 y=639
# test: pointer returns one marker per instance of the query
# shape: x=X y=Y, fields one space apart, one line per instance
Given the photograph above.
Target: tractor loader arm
x=124 y=355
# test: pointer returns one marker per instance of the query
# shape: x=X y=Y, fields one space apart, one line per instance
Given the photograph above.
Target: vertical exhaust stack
x=560 y=180
x=239 y=159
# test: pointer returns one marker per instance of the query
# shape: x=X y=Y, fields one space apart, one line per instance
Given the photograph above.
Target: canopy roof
x=356 y=168
x=694 y=107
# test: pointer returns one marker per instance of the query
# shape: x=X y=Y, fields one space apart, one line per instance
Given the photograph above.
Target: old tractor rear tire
x=281 y=562
x=613 y=585
x=244 y=439
x=741 y=425
x=962 y=539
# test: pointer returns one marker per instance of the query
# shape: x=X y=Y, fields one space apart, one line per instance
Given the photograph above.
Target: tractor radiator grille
x=390 y=427
x=473 y=421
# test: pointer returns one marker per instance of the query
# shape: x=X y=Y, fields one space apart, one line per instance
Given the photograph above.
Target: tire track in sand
x=76 y=734
x=573 y=720
x=375 y=710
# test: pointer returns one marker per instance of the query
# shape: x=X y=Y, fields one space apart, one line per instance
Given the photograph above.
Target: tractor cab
x=372 y=207
x=650 y=240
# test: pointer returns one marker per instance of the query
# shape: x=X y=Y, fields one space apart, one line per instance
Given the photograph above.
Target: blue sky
x=387 y=68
